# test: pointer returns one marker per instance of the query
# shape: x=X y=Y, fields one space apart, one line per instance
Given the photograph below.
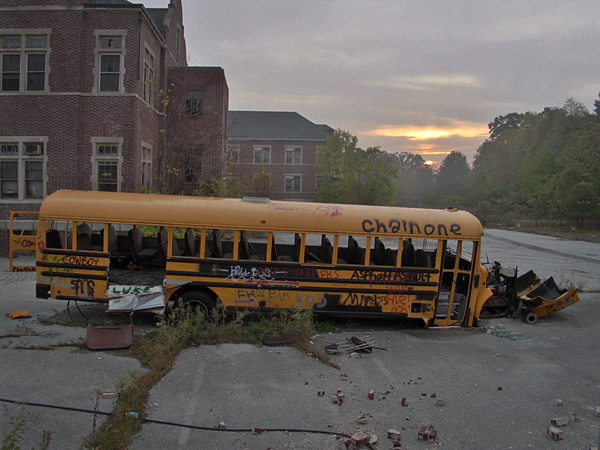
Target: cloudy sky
x=423 y=76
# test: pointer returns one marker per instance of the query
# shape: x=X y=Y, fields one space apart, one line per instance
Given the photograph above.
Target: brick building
x=97 y=95
x=282 y=146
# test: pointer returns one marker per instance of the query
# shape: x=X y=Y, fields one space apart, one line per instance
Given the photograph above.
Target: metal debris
x=364 y=344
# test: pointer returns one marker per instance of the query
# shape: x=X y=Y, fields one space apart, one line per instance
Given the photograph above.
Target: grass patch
x=183 y=329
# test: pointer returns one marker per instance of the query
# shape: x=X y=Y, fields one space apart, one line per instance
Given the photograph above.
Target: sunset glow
x=428 y=133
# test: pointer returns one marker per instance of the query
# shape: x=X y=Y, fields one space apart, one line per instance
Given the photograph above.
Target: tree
x=511 y=121
x=353 y=175
x=374 y=173
x=575 y=108
x=332 y=166
x=414 y=178
x=452 y=173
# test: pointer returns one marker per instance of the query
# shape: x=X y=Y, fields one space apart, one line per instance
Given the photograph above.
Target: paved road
x=247 y=387
x=569 y=262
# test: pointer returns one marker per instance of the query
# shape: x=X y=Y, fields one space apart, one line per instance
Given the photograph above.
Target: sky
x=421 y=76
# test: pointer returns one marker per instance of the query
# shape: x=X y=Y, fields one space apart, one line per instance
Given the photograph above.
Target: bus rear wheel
x=197 y=301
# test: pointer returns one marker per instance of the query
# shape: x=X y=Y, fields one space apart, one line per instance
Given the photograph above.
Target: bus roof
x=258 y=214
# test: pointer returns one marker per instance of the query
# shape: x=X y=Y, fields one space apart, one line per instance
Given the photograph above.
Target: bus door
x=455 y=282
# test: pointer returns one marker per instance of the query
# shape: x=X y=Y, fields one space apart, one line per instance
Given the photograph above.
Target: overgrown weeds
x=20 y=422
x=183 y=329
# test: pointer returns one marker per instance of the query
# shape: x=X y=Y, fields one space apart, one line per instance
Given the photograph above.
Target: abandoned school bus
x=140 y=251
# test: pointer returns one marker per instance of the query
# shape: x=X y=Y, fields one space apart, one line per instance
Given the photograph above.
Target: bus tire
x=531 y=318
x=197 y=301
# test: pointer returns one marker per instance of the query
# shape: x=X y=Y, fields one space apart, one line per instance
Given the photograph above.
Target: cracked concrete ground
x=499 y=385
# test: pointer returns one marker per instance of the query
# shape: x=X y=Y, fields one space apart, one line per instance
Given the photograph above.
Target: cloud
x=425 y=133
x=429 y=82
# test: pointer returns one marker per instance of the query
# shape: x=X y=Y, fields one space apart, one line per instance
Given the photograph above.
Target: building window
x=110 y=50
x=193 y=165
x=193 y=103
x=107 y=160
x=262 y=155
x=22 y=166
x=23 y=60
x=234 y=154
x=146 y=167
x=293 y=183
x=148 y=77
x=293 y=155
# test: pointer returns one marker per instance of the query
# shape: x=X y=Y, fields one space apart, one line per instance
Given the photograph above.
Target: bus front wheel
x=197 y=301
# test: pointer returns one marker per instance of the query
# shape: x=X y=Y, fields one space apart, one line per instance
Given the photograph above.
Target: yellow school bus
x=254 y=254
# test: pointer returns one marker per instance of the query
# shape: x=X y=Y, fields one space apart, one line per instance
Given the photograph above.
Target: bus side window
x=84 y=237
x=408 y=254
x=317 y=249
x=284 y=248
x=223 y=244
x=53 y=239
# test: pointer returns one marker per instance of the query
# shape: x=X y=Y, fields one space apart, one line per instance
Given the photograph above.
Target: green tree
x=373 y=176
x=414 y=179
x=332 y=166
x=452 y=173
x=350 y=174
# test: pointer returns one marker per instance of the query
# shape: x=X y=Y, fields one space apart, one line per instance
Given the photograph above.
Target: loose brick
x=359 y=439
x=560 y=421
x=555 y=434
x=394 y=435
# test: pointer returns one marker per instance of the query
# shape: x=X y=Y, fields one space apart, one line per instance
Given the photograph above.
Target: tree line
x=532 y=165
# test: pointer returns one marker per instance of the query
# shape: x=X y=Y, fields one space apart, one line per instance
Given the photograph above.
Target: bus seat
x=352 y=256
x=113 y=240
x=390 y=257
x=378 y=256
x=408 y=254
x=422 y=259
x=326 y=249
x=84 y=237
x=277 y=257
x=163 y=239
x=190 y=243
x=217 y=245
x=244 y=246
x=297 y=247
x=118 y=257
x=53 y=239
x=139 y=254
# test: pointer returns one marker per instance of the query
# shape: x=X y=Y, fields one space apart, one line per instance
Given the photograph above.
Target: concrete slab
x=498 y=388
x=32 y=371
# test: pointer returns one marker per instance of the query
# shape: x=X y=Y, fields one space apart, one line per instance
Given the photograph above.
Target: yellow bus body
x=264 y=283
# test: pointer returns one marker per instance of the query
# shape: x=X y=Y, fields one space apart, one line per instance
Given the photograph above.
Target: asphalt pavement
x=492 y=387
